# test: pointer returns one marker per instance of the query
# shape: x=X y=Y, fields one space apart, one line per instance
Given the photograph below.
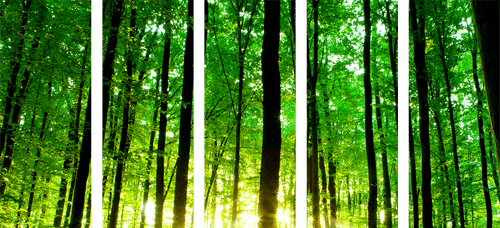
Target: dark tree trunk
x=80 y=187
x=486 y=27
x=85 y=153
x=385 y=167
x=242 y=47
x=271 y=143
x=414 y=194
x=11 y=87
x=494 y=170
x=393 y=56
x=331 y=162
x=323 y=188
x=370 y=149
x=332 y=170
x=38 y=155
x=160 y=156
x=89 y=208
x=150 y=158
x=442 y=156
x=421 y=75
x=16 y=114
x=124 y=138
x=73 y=144
x=313 y=115
x=484 y=164
x=441 y=41
x=181 y=179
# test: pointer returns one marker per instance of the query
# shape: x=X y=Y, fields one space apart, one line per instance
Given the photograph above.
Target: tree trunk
x=385 y=168
x=494 y=170
x=124 y=138
x=241 y=63
x=331 y=162
x=89 y=208
x=421 y=75
x=314 y=121
x=370 y=149
x=181 y=179
x=442 y=155
x=441 y=41
x=12 y=126
x=11 y=87
x=484 y=164
x=393 y=57
x=85 y=153
x=160 y=156
x=486 y=27
x=73 y=144
x=150 y=158
x=323 y=188
x=271 y=143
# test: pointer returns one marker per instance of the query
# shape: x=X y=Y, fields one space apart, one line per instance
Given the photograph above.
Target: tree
x=418 y=29
x=271 y=143
x=485 y=19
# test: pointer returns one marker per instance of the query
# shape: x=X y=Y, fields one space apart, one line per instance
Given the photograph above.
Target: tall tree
x=85 y=152
x=418 y=30
x=181 y=179
x=313 y=120
x=385 y=167
x=486 y=24
x=271 y=142
x=441 y=31
x=242 y=47
x=484 y=164
x=124 y=138
x=370 y=148
x=160 y=156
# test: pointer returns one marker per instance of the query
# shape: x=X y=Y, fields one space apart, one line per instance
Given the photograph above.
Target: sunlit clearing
x=382 y=215
x=150 y=212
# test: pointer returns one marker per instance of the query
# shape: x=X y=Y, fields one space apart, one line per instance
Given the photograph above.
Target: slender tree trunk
x=160 y=156
x=331 y=162
x=241 y=63
x=484 y=164
x=441 y=41
x=419 y=44
x=11 y=87
x=393 y=57
x=493 y=168
x=486 y=24
x=442 y=155
x=38 y=155
x=313 y=115
x=370 y=149
x=11 y=127
x=385 y=167
x=150 y=158
x=414 y=193
x=324 y=187
x=271 y=143
x=73 y=144
x=89 y=208
x=181 y=179
x=124 y=138
x=85 y=153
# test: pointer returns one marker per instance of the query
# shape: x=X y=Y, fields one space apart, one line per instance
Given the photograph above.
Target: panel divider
x=403 y=115
x=198 y=113
x=96 y=114
x=301 y=212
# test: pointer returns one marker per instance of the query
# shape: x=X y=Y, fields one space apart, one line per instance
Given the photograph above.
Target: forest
x=249 y=113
